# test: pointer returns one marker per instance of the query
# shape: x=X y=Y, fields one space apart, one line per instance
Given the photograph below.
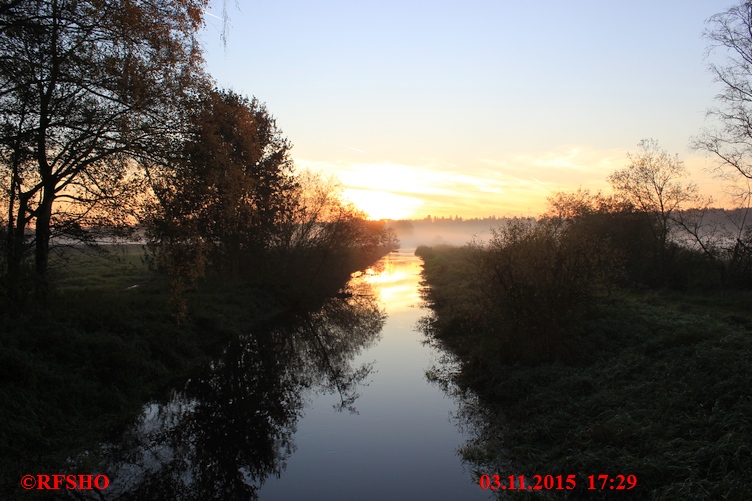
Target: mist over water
x=443 y=231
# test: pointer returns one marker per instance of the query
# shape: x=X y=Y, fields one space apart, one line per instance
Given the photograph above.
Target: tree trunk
x=42 y=240
x=15 y=250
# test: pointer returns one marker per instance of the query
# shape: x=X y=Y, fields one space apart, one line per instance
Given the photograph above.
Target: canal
x=332 y=405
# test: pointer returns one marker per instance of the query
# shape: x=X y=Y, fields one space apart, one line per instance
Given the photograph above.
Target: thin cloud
x=348 y=147
x=443 y=189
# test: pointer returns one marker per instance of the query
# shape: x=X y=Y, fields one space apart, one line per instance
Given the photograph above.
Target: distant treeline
x=714 y=223
x=442 y=230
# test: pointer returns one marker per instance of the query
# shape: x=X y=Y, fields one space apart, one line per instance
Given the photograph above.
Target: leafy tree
x=626 y=231
x=85 y=87
x=220 y=201
x=653 y=184
x=231 y=203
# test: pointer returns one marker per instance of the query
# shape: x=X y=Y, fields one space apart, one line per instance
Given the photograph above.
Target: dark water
x=333 y=405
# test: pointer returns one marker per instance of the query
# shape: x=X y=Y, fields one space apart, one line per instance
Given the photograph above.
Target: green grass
x=78 y=370
x=73 y=371
x=662 y=389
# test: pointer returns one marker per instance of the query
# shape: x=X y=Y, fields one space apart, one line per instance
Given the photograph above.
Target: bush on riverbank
x=525 y=292
x=599 y=345
x=538 y=281
x=660 y=388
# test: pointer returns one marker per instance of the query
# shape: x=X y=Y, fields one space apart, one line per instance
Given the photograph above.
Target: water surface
x=402 y=443
x=330 y=405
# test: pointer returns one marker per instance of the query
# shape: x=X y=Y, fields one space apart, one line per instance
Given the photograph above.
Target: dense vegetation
x=605 y=337
x=660 y=390
x=111 y=131
x=612 y=334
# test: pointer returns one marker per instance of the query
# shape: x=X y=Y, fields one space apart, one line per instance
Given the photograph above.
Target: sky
x=468 y=107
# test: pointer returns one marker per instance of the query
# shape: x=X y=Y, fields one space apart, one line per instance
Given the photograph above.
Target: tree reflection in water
x=472 y=417
x=232 y=427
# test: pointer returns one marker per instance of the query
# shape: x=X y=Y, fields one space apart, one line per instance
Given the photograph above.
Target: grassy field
x=660 y=388
x=76 y=371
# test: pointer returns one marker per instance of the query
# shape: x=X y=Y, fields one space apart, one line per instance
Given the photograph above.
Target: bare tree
x=730 y=142
x=652 y=183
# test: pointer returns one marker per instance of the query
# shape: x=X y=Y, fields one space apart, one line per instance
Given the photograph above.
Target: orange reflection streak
x=397 y=279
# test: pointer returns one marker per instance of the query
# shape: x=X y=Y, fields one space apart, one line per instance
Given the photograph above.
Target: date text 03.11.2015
x=600 y=482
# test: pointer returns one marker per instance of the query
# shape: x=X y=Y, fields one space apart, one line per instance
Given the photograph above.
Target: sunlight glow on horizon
x=517 y=184
x=379 y=204
x=473 y=109
x=512 y=184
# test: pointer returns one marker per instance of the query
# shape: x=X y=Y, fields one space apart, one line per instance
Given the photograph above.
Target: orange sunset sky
x=472 y=108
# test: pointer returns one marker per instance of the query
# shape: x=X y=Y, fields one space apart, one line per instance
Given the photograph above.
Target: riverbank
x=76 y=371
x=658 y=387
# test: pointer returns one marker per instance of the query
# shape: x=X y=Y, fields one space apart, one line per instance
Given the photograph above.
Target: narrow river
x=333 y=405
x=401 y=444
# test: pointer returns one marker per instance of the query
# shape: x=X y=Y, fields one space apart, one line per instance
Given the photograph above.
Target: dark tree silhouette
x=85 y=87
x=219 y=202
x=653 y=183
x=232 y=426
x=730 y=141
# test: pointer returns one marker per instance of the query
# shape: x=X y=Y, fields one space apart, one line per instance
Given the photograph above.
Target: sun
x=383 y=204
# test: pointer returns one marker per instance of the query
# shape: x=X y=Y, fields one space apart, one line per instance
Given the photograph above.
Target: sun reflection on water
x=396 y=279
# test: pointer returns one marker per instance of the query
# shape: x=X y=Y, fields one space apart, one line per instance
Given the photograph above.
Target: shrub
x=541 y=278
